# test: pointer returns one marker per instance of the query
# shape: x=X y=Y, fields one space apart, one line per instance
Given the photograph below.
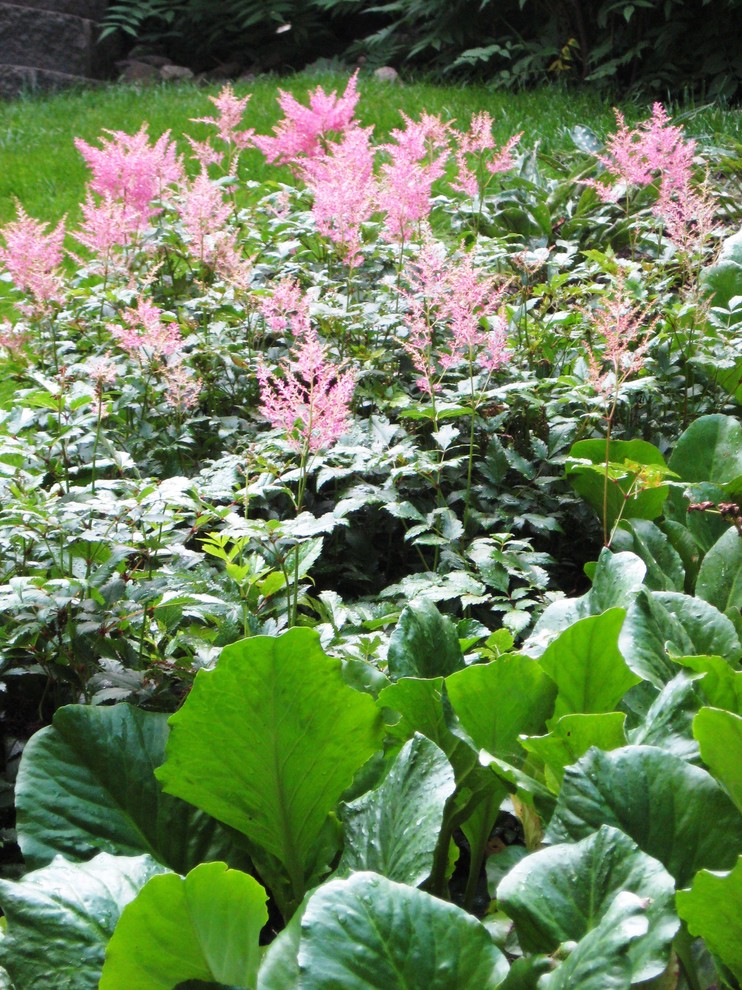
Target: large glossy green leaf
x=268 y=741
x=86 y=784
x=665 y=569
x=616 y=581
x=424 y=643
x=61 y=917
x=279 y=969
x=571 y=738
x=495 y=702
x=720 y=576
x=368 y=933
x=204 y=926
x=675 y=812
x=636 y=471
x=659 y=624
x=601 y=961
x=562 y=892
x=719 y=735
x=668 y=722
x=394 y=829
x=587 y=667
x=712 y=909
x=709 y=450
x=720 y=683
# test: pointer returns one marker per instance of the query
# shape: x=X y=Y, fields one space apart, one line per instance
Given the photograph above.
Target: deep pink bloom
x=32 y=255
x=344 y=188
x=128 y=168
x=144 y=336
x=108 y=224
x=301 y=131
x=310 y=399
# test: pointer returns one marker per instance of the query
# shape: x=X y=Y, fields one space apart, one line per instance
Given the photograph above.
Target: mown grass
x=40 y=167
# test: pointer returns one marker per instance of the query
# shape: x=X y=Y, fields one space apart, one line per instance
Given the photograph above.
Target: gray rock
x=175 y=73
x=51 y=42
x=139 y=72
x=386 y=73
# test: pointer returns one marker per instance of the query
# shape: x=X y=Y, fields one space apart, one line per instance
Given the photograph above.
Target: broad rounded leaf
x=368 y=933
x=268 y=741
x=86 y=784
x=587 y=667
x=709 y=450
x=712 y=909
x=562 y=892
x=61 y=917
x=720 y=683
x=624 y=496
x=719 y=580
x=600 y=961
x=201 y=927
x=394 y=829
x=675 y=812
x=497 y=701
x=665 y=569
x=668 y=723
x=661 y=623
x=424 y=643
x=719 y=734
x=571 y=738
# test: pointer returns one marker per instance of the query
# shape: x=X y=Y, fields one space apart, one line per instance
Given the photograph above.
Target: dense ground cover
x=422 y=449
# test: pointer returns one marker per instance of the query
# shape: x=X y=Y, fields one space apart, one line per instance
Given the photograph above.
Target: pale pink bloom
x=653 y=151
x=231 y=111
x=689 y=218
x=229 y=262
x=32 y=255
x=624 y=330
x=144 y=336
x=301 y=131
x=204 y=213
x=418 y=157
x=13 y=338
x=286 y=309
x=100 y=370
x=182 y=387
x=454 y=318
x=310 y=399
x=127 y=167
x=108 y=224
x=344 y=188
x=205 y=153
x=478 y=142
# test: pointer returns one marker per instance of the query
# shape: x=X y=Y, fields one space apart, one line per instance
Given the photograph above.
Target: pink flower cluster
x=454 y=318
x=129 y=175
x=479 y=144
x=310 y=399
x=302 y=131
x=145 y=336
x=32 y=255
x=286 y=309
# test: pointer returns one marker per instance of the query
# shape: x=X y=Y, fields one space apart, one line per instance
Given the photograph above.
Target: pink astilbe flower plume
x=182 y=387
x=301 y=132
x=204 y=213
x=310 y=399
x=454 y=318
x=32 y=256
x=108 y=224
x=145 y=336
x=418 y=157
x=128 y=168
x=286 y=309
x=478 y=143
x=231 y=111
x=344 y=188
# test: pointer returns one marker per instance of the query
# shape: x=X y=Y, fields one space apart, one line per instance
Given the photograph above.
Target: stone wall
x=48 y=44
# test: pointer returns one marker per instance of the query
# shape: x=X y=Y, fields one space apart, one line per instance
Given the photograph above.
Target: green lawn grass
x=40 y=167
